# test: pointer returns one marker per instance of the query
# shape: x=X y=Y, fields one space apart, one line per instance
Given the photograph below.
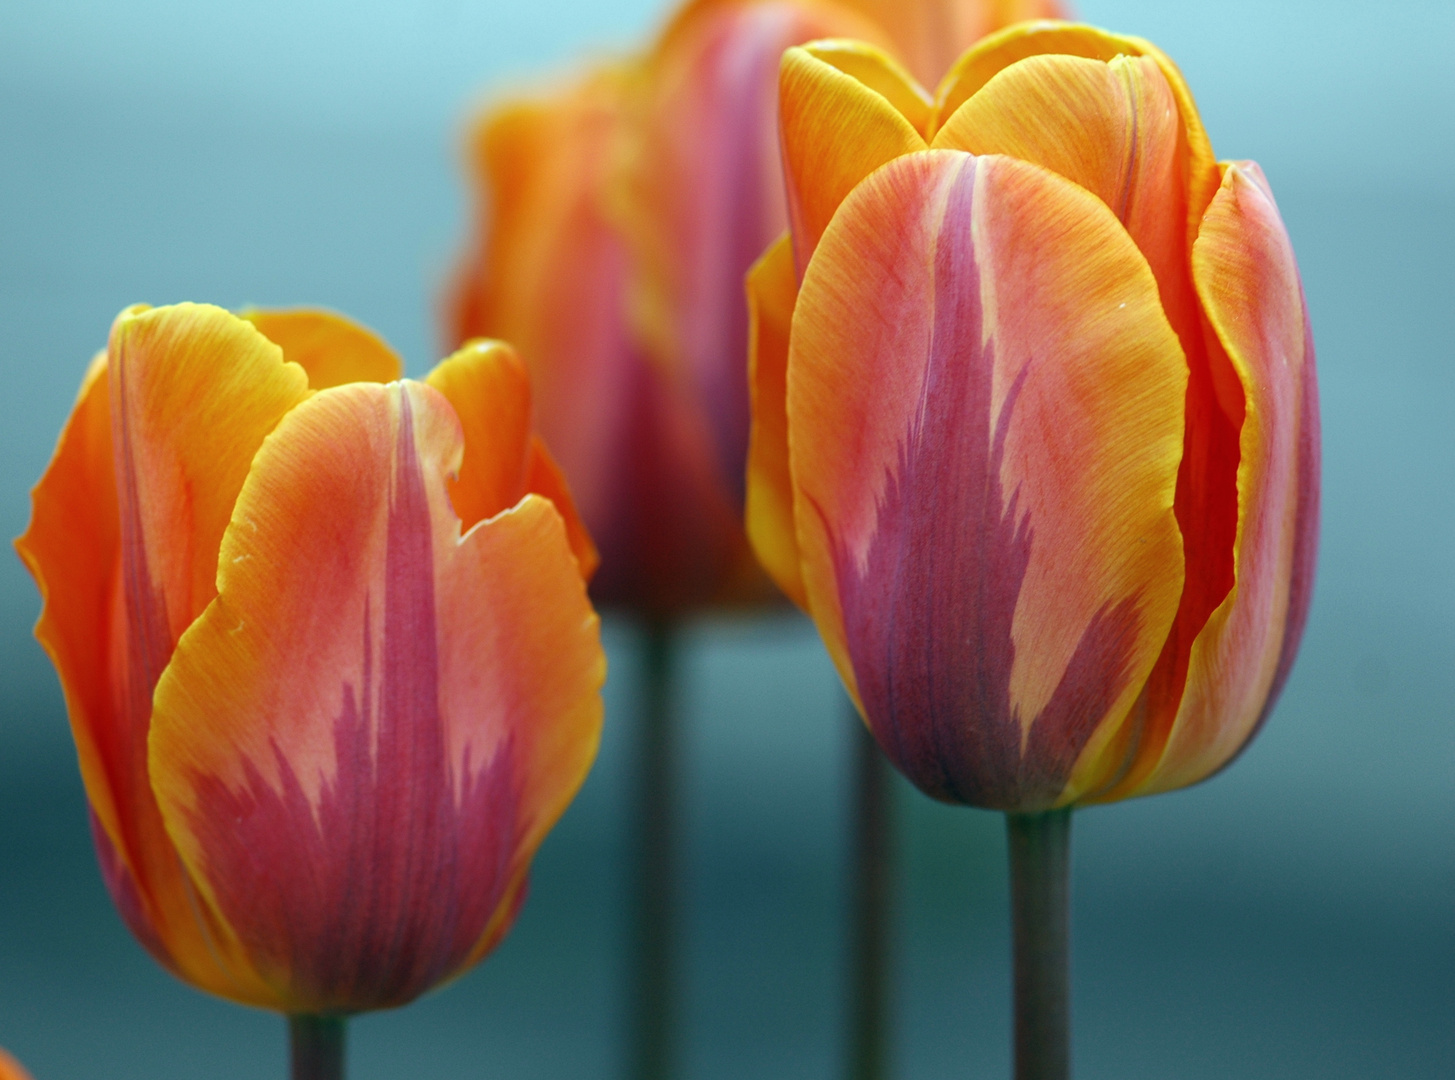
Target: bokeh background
x=1293 y=918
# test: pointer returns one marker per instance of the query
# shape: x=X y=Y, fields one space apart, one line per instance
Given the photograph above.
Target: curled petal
x=836 y=130
x=489 y=388
x=985 y=409
x=331 y=348
x=1248 y=280
x=772 y=290
x=73 y=548
x=360 y=743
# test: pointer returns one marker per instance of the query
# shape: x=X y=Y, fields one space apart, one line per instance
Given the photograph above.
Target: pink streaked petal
x=360 y=742
x=985 y=418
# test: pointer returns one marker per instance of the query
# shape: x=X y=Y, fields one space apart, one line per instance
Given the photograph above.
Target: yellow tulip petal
x=772 y=289
x=835 y=131
x=361 y=742
x=1110 y=127
x=998 y=51
x=985 y=409
x=930 y=34
x=880 y=72
x=332 y=348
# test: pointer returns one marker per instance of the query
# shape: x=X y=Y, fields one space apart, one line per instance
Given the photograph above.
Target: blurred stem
x=317 y=1047
x=872 y=838
x=653 y=911
x=1040 y=863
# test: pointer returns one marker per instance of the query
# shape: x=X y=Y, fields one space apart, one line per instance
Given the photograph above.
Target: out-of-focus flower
x=1036 y=440
x=10 y=1069
x=618 y=216
x=326 y=649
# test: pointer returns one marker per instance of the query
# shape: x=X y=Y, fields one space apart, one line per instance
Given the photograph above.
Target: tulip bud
x=1036 y=433
x=325 y=646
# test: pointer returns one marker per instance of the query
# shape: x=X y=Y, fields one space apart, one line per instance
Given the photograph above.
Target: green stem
x=317 y=1047
x=872 y=854
x=653 y=909
x=1040 y=863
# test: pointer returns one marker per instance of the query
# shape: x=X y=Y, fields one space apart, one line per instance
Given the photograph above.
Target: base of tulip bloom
x=1040 y=865
x=868 y=1057
x=316 y=1047
x=653 y=893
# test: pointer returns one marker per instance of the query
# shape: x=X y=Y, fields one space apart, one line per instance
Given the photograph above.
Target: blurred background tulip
x=330 y=666
x=1290 y=919
x=1039 y=448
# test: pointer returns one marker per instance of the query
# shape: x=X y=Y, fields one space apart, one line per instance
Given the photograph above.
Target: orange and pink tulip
x=618 y=217
x=325 y=645
x=1036 y=433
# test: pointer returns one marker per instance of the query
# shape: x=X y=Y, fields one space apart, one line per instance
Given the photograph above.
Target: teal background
x=1293 y=918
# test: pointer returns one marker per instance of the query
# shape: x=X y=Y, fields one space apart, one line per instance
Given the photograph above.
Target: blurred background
x=1293 y=918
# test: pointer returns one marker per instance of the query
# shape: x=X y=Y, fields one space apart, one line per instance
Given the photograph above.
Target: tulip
x=1036 y=434
x=326 y=650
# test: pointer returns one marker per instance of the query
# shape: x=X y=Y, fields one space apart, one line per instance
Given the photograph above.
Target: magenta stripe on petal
x=928 y=613
x=382 y=888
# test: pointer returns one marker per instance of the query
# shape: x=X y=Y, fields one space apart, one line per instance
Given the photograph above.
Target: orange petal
x=72 y=548
x=836 y=130
x=332 y=348
x=1110 y=127
x=930 y=34
x=1248 y=280
x=360 y=744
x=489 y=388
x=880 y=72
x=985 y=409
x=998 y=51
x=191 y=392
x=772 y=290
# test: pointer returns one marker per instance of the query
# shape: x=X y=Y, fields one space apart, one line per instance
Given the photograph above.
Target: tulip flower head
x=618 y=218
x=1036 y=436
x=325 y=645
